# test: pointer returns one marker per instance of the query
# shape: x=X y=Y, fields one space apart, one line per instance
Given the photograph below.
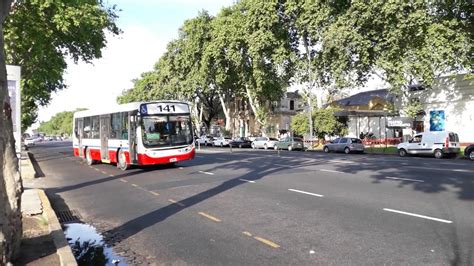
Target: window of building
x=292 y=105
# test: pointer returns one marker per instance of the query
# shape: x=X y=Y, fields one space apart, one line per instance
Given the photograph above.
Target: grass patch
x=385 y=150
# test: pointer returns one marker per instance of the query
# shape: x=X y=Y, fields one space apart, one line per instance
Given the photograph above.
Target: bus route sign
x=164 y=108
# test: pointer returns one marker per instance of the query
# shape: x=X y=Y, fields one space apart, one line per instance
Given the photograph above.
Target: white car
x=204 y=140
x=264 y=143
x=437 y=143
x=30 y=142
x=222 y=141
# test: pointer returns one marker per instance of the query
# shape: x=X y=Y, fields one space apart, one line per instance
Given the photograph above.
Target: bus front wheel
x=122 y=161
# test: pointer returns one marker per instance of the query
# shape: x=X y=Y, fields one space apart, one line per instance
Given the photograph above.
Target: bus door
x=104 y=137
x=132 y=137
x=79 y=132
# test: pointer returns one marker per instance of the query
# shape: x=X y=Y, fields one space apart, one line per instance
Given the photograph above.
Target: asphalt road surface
x=257 y=207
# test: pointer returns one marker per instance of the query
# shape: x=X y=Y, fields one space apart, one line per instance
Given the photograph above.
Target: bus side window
x=124 y=126
x=76 y=133
x=95 y=127
x=87 y=128
x=116 y=122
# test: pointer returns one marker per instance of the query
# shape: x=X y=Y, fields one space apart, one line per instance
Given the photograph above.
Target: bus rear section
x=135 y=134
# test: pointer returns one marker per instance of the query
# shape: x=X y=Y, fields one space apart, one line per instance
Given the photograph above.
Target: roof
x=363 y=98
x=119 y=108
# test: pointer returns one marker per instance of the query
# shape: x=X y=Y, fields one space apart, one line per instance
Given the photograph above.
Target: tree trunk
x=10 y=180
x=256 y=110
x=226 y=109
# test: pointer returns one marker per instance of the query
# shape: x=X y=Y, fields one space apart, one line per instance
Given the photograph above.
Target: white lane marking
x=441 y=169
x=307 y=193
x=245 y=180
x=331 y=171
x=281 y=165
x=418 y=215
x=404 y=179
x=338 y=161
x=206 y=173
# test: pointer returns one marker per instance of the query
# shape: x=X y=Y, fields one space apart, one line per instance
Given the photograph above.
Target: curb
x=62 y=247
x=27 y=169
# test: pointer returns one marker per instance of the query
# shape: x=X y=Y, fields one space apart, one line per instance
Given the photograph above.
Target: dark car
x=346 y=145
x=469 y=152
x=241 y=143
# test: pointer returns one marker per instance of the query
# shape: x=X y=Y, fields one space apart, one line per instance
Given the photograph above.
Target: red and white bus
x=140 y=133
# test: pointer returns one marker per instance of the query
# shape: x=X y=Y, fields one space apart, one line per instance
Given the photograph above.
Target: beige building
x=279 y=121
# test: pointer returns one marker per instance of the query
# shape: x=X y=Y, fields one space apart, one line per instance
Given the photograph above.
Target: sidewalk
x=43 y=241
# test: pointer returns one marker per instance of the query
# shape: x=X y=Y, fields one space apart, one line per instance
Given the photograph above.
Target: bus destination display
x=163 y=108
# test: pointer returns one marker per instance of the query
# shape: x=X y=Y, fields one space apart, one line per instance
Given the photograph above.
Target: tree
x=402 y=42
x=324 y=123
x=59 y=124
x=40 y=34
x=10 y=180
x=300 y=124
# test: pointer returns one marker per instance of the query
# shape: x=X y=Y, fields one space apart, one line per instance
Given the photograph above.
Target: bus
x=139 y=133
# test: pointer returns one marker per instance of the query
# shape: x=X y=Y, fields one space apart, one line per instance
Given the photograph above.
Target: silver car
x=346 y=145
x=263 y=142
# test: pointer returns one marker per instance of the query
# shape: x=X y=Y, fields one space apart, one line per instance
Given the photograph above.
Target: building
x=447 y=105
x=371 y=112
x=244 y=123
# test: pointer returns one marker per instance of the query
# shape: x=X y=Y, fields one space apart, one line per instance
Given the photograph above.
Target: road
x=257 y=207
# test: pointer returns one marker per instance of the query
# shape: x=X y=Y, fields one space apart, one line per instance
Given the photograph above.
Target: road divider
x=418 y=215
x=305 y=192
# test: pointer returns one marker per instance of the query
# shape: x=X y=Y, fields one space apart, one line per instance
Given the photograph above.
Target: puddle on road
x=88 y=246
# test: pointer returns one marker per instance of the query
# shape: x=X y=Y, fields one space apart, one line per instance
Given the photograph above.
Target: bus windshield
x=166 y=130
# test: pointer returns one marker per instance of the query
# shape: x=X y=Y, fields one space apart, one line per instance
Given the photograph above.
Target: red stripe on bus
x=143 y=159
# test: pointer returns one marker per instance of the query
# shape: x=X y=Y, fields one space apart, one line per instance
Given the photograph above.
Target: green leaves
x=39 y=35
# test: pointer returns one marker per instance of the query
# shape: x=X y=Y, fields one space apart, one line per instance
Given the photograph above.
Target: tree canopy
x=39 y=35
x=59 y=124
x=253 y=50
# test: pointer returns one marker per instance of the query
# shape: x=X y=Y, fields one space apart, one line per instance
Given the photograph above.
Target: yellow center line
x=123 y=180
x=177 y=203
x=247 y=234
x=154 y=193
x=267 y=242
x=210 y=217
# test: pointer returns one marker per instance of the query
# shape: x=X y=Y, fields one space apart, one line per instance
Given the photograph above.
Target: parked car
x=241 y=143
x=289 y=143
x=437 y=143
x=346 y=145
x=30 y=142
x=469 y=152
x=222 y=141
x=204 y=140
x=264 y=143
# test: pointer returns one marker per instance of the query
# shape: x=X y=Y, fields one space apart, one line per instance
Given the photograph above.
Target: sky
x=148 y=25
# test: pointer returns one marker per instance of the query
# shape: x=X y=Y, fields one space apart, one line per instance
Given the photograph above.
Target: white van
x=437 y=143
